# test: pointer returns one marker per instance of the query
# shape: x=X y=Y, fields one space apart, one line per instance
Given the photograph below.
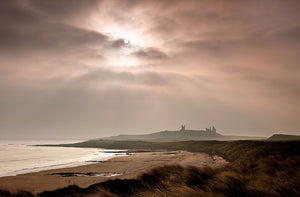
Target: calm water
x=18 y=157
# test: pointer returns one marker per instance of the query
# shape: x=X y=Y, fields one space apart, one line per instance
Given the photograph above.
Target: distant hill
x=170 y=136
x=283 y=137
x=180 y=135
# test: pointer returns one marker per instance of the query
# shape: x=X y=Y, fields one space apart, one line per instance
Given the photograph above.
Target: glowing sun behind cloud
x=130 y=36
x=128 y=42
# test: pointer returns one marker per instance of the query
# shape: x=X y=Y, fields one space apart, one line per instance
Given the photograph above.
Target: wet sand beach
x=119 y=167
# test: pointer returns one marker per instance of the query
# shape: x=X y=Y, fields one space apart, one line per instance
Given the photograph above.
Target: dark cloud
x=49 y=37
x=150 y=53
x=290 y=34
x=24 y=30
x=66 y=8
x=118 y=44
x=16 y=13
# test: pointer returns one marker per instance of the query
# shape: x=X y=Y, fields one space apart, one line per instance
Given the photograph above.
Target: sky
x=94 y=68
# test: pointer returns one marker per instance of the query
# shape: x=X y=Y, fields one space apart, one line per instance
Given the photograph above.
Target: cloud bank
x=94 y=68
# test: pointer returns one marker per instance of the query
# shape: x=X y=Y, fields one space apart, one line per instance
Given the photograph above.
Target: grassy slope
x=230 y=150
x=178 y=135
x=256 y=168
x=168 y=136
x=283 y=137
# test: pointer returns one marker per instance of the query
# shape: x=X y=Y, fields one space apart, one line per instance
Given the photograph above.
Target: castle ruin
x=182 y=128
x=210 y=129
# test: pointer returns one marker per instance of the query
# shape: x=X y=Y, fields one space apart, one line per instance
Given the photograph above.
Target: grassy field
x=256 y=168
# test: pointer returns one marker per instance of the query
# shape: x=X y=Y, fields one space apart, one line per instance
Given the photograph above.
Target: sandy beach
x=118 y=167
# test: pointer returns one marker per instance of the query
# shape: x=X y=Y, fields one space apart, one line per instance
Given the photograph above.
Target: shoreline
x=120 y=167
x=99 y=155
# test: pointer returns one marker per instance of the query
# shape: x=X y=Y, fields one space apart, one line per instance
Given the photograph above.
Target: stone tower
x=182 y=128
x=214 y=130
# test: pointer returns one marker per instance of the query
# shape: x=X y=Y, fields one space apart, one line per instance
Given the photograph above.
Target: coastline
x=117 y=167
x=22 y=157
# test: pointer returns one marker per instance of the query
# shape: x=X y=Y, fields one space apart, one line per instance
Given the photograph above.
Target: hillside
x=170 y=136
x=283 y=137
x=180 y=135
x=230 y=150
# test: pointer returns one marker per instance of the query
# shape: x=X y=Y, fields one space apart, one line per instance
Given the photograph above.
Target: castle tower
x=214 y=130
x=182 y=128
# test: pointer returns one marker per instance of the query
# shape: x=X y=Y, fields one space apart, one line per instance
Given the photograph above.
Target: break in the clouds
x=92 y=68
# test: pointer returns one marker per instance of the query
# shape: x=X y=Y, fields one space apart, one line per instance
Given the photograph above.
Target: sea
x=21 y=156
